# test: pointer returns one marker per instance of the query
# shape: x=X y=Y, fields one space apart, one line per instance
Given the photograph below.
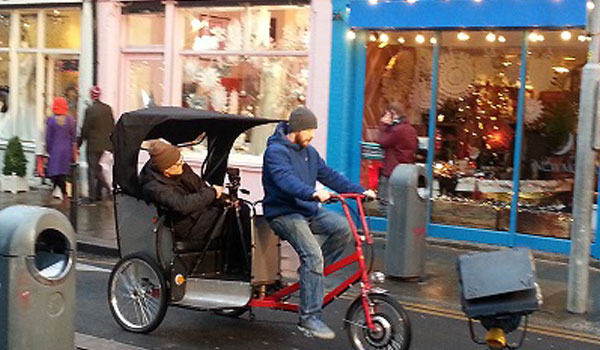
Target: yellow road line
x=544 y=330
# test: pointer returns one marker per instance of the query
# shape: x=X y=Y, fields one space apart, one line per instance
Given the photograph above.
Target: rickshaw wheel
x=390 y=320
x=137 y=294
x=233 y=312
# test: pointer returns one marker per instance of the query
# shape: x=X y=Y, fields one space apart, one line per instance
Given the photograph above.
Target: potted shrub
x=15 y=168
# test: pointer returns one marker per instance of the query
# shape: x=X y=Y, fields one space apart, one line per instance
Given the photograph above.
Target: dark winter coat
x=98 y=124
x=290 y=173
x=190 y=203
x=400 y=143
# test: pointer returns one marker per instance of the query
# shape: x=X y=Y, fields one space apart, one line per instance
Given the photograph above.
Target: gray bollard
x=407 y=221
x=37 y=279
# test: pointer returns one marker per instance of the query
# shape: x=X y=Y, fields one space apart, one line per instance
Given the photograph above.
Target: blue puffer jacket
x=290 y=173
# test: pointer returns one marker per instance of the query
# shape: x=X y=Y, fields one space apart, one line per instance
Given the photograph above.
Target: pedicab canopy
x=176 y=125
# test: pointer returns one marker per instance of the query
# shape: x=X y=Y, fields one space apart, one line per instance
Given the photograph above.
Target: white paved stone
x=88 y=342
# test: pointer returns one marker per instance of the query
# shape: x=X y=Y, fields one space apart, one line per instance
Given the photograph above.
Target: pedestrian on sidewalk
x=60 y=146
x=400 y=143
x=98 y=125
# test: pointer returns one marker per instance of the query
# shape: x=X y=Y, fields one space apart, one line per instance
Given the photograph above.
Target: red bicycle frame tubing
x=274 y=300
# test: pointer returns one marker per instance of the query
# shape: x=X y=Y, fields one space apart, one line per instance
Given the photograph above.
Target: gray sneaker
x=314 y=327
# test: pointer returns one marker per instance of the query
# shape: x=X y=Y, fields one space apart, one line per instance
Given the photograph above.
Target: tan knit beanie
x=163 y=155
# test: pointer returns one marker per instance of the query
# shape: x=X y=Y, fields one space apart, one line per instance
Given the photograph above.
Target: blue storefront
x=499 y=153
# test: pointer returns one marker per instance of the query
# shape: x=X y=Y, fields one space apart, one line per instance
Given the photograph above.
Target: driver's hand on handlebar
x=219 y=190
x=371 y=195
x=322 y=195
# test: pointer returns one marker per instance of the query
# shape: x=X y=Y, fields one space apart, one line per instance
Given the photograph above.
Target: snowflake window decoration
x=208 y=78
x=456 y=74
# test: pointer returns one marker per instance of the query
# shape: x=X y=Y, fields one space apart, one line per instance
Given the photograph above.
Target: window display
x=4 y=29
x=246 y=60
x=253 y=86
x=476 y=121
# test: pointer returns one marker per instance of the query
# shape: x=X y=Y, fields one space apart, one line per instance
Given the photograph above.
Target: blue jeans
x=300 y=232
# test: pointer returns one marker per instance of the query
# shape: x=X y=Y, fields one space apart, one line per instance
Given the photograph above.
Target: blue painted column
x=433 y=119
x=346 y=96
x=514 y=206
x=596 y=244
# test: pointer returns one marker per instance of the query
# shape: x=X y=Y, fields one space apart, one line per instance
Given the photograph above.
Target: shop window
x=475 y=128
x=554 y=63
x=63 y=28
x=254 y=86
x=29 y=37
x=398 y=70
x=224 y=71
x=145 y=29
x=144 y=83
x=62 y=76
x=25 y=109
x=214 y=29
x=250 y=29
x=4 y=89
x=4 y=29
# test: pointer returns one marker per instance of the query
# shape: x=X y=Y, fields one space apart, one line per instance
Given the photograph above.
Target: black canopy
x=176 y=125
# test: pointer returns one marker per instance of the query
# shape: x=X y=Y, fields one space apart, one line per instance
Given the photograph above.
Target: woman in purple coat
x=60 y=141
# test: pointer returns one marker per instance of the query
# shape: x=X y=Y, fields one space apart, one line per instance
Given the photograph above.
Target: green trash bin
x=37 y=279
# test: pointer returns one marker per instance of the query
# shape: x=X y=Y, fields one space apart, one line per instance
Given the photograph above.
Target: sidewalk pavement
x=439 y=291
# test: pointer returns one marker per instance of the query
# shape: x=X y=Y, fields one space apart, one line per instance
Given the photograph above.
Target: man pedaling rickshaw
x=192 y=205
x=291 y=170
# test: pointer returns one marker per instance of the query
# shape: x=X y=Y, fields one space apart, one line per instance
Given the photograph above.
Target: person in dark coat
x=192 y=205
x=60 y=145
x=400 y=143
x=98 y=124
x=291 y=169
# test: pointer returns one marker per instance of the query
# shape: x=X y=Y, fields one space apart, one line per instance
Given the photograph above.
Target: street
x=432 y=327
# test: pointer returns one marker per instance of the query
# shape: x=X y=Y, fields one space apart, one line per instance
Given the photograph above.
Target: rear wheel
x=392 y=327
x=137 y=294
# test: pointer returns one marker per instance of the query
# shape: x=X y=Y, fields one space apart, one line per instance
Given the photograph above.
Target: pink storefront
x=255 y=58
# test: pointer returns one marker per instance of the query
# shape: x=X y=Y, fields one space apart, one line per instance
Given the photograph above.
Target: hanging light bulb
x=350 y=35
x=501 y=38
x=420 y=38
x=534 y=37
x=491 y=37
x=373 y=2
x=401 y=40
x=565 y=35
x=384 y=38
x=590 y=5
x=411 y=1
x=433 y=40
x=372 y=37
x=462 y=36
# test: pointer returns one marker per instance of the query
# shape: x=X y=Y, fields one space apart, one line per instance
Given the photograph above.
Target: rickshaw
x=238 y=269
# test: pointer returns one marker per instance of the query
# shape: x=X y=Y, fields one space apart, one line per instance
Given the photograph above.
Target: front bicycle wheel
x=392 y=327
x=137 y=294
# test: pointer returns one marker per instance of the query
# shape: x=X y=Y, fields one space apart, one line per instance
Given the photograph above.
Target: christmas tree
x=14 y=158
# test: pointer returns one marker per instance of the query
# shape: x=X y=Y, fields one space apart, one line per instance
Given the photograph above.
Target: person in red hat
x=98 y=124
x=60 y=141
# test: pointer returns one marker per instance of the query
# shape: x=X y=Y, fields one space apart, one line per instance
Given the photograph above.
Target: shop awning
x=448 y=14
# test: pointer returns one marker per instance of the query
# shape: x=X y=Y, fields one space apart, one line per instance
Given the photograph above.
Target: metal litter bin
x=37 y=279
x=407 y=220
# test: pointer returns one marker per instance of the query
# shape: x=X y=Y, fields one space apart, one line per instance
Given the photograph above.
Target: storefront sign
x=468 y=14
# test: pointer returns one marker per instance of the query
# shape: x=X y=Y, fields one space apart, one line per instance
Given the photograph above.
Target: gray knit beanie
x=302 y=118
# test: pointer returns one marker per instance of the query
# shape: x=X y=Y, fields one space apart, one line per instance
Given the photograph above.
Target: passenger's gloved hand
x=219 y=190
x=371 y=195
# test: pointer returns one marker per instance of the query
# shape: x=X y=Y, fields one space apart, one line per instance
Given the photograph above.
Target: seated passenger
x=170 y=183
